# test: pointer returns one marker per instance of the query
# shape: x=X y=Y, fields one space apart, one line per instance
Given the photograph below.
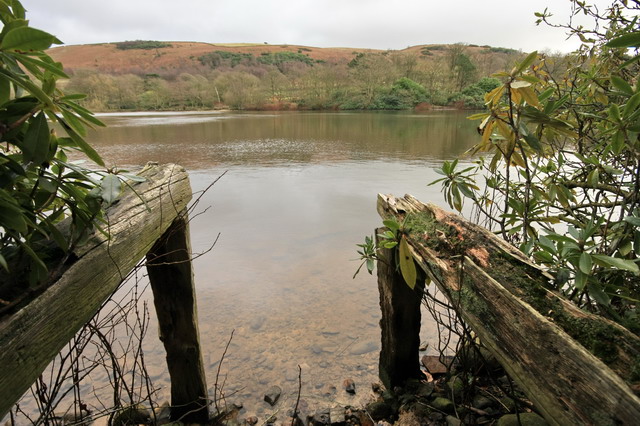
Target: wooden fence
x=576 y=367
x=150 y=221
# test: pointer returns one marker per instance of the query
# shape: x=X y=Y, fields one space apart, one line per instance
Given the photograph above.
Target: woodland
x=293 y=78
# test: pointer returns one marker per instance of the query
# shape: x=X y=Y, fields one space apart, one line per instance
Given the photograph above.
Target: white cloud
x=350 y=23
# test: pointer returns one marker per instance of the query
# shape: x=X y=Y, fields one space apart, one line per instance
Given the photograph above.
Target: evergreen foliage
x=40 y=187
x=559 y=174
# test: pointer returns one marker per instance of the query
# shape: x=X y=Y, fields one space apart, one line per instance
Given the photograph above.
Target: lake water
x=299 y=193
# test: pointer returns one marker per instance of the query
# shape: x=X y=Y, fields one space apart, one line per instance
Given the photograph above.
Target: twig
x=215 y=385
x=295 y=410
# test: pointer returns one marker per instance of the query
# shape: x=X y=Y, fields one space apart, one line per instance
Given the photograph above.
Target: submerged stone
x=272 y=395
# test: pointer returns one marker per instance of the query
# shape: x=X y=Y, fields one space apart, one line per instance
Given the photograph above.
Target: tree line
x=441 y=75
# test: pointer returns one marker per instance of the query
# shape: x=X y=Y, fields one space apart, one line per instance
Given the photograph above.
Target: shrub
x=142 y=44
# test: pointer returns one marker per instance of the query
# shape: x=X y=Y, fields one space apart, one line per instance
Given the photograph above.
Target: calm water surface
x=298 y=194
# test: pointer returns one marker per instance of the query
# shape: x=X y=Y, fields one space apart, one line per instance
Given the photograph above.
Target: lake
x=299 y=193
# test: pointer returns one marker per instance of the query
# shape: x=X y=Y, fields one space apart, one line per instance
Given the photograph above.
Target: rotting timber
x=149 y=220
x=577 y=368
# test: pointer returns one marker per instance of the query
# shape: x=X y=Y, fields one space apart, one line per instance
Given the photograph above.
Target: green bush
x=39 y=186
x=224 y=58
x=472 y=96
x=279 y=58
x=142 y=44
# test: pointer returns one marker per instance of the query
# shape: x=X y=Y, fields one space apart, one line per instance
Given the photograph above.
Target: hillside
x=180 y=56
x=154 y=75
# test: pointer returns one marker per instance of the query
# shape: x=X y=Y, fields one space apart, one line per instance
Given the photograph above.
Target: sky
x=376 y=24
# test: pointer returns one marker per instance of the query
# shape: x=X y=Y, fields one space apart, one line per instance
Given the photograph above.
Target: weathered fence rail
x=576 y=367
x=148 y=222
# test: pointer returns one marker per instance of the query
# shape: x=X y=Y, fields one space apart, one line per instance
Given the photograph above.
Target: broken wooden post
x=171 y=277
x=572 y=364
x=33 y=336
x=400 y=323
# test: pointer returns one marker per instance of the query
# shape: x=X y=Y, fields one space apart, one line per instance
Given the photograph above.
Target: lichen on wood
x=564 y=358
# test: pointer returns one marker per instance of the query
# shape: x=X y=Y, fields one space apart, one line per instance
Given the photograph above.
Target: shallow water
x=298 y=194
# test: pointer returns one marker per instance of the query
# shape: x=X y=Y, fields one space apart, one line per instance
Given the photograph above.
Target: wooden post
x=171 y=277
x=400 y=321
x=33 y=336
x=551 y=348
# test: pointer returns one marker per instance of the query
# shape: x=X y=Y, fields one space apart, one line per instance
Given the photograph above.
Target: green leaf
x=72 y=121
x=5 y=91
x=526 y=63
x=111 y=187
x=54 y=68
x=614 y=262
x=585 y=263
x=11 y=215
x=621 y=85
x=617 y=142
x=84 y=113
x=627 y=40
x=595 y=291
x=3 y=263
x=533 y=142
x=28 y=86
x=370 y=265
x=36 y=140
x=625 y=248
x=614 y=112
x=631 y=106
x=407 y=266
x=85 y=147
x=27 y=39
x=391 y=224
x=18 y=9
x=635 y=221
x=581 y=279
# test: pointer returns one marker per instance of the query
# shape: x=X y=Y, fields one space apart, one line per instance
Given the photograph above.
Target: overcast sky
x=379 y=24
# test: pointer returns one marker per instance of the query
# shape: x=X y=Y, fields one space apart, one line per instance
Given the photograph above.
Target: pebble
x=257 y=323
x=364 y=347
x=337 y=415
x=442 y=404
x=316 y=349
x=321 y=417
x=272 y=395
x=349 y=386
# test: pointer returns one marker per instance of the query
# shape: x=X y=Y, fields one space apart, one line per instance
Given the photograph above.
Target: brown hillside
x=108 y=58
x=183 y=56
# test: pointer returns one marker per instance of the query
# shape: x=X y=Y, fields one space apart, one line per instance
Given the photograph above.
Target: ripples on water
x=299 y=194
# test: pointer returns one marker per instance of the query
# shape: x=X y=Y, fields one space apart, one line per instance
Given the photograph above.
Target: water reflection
x=299 y=193
x=201 y=140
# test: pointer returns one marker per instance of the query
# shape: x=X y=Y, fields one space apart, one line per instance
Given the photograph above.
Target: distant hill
x=146 y=57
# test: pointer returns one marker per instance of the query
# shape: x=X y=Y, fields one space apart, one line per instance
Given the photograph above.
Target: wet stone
x=272 y=395
x=481 y=402
x=442 y=404
x=349 y=386
x=337 y=416
x=435 y=365
x=257 y=323
x=363 y=348
x=453 y=421
x=379 y=410
x=321 y=417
